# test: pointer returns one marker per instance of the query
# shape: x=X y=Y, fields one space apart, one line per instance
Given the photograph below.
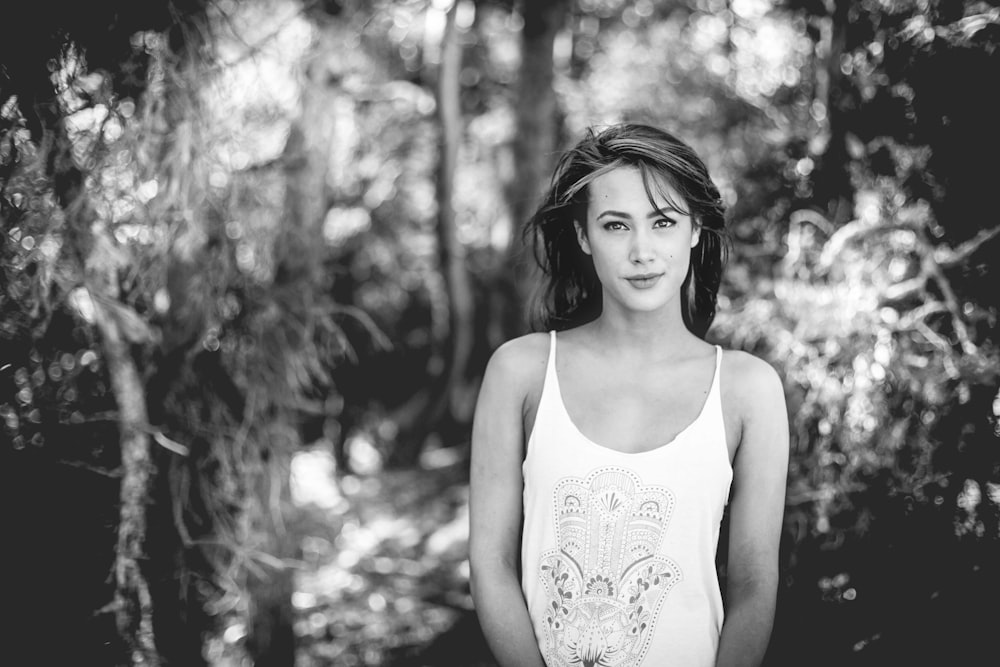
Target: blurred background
x=256 y=254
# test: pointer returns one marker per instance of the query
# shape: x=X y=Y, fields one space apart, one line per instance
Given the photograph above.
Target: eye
x=615 y=225
x=663 y=223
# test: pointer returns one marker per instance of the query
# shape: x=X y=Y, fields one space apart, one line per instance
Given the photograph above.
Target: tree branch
x=135 y=610
x=948 y=258
x=933 y=269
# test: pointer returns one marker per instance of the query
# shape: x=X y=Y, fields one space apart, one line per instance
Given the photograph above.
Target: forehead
x=624 y=187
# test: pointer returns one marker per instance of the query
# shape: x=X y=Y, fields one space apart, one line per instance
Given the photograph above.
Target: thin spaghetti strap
x=550 y=386
x=551 y=365
x=716 y=378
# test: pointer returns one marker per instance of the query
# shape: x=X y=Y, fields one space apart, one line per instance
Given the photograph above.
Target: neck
x=650 y=335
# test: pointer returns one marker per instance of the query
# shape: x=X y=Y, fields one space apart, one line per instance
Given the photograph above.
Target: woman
x=605 y=451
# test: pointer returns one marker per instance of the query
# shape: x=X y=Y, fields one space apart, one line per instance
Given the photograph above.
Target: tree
x=33 y=102
x=111 y=194
x=537 y=133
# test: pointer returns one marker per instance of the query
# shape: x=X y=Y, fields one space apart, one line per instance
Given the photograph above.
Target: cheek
x=603 y=261
x=599 y=258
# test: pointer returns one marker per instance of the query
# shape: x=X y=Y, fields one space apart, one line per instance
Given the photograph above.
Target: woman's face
x=641 y=250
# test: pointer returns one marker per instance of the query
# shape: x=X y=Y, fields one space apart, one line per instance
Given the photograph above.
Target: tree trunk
x=134 y=604
x=832 y=180
x=536 y=138
x=298 y=251
x=271 y=640
x=461 y=307
x=443 y=399
x=99 y=267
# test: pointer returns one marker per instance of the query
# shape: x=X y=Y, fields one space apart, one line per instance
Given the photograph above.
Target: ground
x=385 y=574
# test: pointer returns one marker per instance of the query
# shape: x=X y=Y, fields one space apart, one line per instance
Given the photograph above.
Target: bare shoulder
x=753 y=396
x=513 y=383
x=518 y=355
x=520 y=362
x=748 y=376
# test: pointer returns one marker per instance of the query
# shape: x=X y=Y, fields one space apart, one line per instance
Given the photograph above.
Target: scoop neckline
x=657 y=448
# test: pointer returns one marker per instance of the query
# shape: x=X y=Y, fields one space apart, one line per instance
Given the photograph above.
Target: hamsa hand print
x=605 y=582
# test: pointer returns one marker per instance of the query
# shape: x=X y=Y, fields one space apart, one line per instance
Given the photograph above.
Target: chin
x=651 y=304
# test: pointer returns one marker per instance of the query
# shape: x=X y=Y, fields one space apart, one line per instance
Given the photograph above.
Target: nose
x=641 y=247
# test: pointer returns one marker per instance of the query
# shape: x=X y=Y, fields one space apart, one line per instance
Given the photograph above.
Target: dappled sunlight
x=767 y=55
x=386 y=568
x=254 y=96
x=312 y=481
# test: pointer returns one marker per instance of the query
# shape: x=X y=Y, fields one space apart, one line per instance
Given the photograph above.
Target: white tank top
x=618 y=549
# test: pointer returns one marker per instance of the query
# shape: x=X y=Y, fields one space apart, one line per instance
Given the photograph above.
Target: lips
x=644 y=280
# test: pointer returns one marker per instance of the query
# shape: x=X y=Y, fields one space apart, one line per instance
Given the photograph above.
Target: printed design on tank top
x=606 y=581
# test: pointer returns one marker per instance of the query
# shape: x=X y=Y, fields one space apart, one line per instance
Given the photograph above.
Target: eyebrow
x=666 y=210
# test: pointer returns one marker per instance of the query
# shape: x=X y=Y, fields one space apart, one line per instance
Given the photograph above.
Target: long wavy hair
x=571 y=294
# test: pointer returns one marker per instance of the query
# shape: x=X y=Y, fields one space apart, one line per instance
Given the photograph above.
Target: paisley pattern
x=605 y=582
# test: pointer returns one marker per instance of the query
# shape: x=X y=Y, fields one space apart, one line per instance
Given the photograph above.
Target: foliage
x=227 y=355
x=841 y=134
x=886 y=335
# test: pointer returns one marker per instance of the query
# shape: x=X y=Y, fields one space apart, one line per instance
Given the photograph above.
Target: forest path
x=385 y=574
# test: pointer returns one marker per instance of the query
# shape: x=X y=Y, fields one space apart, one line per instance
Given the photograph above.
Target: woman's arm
x=496 y=507
x=756 y=508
